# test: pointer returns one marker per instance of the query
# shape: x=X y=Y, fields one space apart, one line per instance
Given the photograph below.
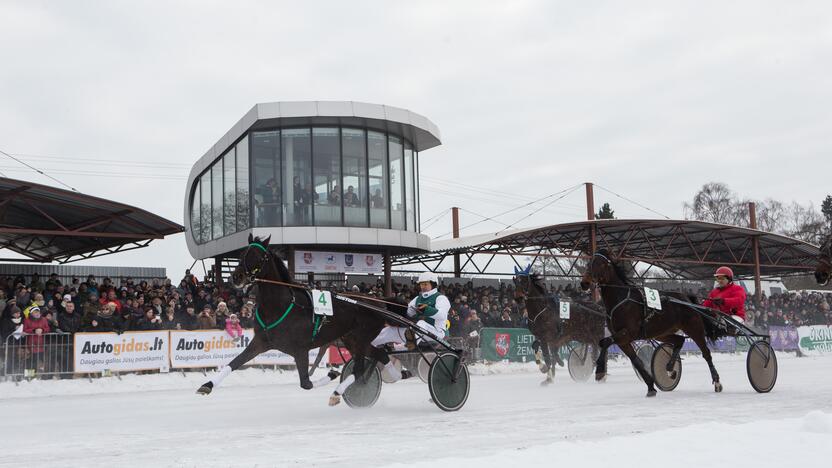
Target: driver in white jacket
x=429 y=309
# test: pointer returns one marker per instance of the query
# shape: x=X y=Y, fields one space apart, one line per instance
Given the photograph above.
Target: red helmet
x=725 y=271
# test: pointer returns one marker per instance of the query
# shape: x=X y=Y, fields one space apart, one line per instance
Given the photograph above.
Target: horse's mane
x=616 y=267
x=537 y=281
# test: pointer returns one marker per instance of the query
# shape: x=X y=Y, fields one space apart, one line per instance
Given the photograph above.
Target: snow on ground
x=262 y=418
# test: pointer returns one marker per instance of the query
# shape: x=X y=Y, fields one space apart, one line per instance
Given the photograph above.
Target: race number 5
x=564 y=310
x=322 y=301
x=653 y=300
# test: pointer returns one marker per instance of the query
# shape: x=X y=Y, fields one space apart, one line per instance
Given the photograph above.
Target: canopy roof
x=47 y=224
x=685 y=249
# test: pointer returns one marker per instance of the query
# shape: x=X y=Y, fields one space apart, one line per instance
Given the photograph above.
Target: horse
x=286 y=321
x=546 y=325
x=824 y=268
x=629 y=319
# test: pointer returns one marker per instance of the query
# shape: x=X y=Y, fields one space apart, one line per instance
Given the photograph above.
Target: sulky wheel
x=449 y=382
x=661 y=357
x=761 y=365
x=423 y=366
x=581 y=362
x=645 y=353
x=363 y=393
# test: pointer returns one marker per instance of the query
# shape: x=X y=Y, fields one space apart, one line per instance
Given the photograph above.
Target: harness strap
x=276 y=323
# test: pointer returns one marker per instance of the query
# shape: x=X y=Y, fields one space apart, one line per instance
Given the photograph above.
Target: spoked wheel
x=661 y=357
x=581 y=362
x=362 y=394
x=386 y=378
x=423 y=367
x=449 y=382
x=761 y=365
x=645 y=353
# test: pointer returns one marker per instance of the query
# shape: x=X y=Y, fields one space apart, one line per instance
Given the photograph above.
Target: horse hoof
x=334 y=400
x=333 y=374
x=717 y=387
x=307 y=385
x=543 y=368
x=205 y=389
x=651 y=393
x=601 y=377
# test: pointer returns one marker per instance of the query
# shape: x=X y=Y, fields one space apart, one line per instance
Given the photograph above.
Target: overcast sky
x=648 y=99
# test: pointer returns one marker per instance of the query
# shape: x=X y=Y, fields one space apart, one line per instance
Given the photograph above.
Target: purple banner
x=783 y=338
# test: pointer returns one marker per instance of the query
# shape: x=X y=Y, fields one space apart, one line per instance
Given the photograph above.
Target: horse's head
x=252 y=261
x=522 y=282
x=601 y=270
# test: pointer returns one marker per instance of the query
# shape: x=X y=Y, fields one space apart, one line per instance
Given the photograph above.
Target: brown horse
x=285 y=321
x=546 y=325
x=629 y=319
x=824 y=268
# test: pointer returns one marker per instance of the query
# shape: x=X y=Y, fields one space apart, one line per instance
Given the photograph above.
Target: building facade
x=315 y=176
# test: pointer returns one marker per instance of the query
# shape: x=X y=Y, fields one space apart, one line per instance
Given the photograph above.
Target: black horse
x=824 y=268
x=546 y=325
x=629 y=319
x=286 y=320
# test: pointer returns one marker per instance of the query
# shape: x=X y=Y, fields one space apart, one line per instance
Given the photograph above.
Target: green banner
x=513 y=344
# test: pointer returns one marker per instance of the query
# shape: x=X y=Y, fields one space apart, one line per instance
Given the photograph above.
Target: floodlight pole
x=755 y=245
x=455 y=221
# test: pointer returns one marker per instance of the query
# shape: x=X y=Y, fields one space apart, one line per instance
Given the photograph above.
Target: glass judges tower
x=315 y=176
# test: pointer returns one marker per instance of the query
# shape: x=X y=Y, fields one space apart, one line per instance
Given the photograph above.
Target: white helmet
x=428 y=276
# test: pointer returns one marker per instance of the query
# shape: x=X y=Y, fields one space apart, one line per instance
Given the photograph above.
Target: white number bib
x=652 y=298
x=322 y=301
x=564 y=310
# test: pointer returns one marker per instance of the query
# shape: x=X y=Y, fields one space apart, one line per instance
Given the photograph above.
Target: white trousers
x=396 y=334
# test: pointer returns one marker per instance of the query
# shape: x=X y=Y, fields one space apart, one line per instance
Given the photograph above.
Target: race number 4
x=564 y=310
x=322 y=301
x=653 y=299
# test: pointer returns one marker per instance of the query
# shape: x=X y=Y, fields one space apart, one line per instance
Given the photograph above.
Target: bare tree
x=715 y=203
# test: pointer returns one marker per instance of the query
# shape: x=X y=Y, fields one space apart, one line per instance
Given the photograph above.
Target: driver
x=727 y=297
x=430 y=309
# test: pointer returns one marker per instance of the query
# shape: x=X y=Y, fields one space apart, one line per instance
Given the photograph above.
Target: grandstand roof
x=47 y=224
x=685 y=249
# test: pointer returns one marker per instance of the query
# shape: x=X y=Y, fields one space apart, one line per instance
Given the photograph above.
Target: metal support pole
x=455 y=221
x=593 y=244
x=218 y=271
x=755 y=245
x=388 y=280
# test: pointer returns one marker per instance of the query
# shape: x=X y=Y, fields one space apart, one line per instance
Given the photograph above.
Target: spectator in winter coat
x=233 y=328
x=105 y=321
x=206 y=320
x=69 y=321
x=11 y=324
x=35 y=326
x=149 y=322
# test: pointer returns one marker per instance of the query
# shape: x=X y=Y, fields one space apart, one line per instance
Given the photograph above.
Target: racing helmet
x=428 y=276
x=725 y=271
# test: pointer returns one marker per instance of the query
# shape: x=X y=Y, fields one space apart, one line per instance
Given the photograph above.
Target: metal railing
x=32 y=356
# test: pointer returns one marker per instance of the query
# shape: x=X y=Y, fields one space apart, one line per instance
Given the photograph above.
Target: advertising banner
x=130 y=351
x=815 y=340
x=783 y=338
x=513 y=344
x=215 y=348
x=337 y=262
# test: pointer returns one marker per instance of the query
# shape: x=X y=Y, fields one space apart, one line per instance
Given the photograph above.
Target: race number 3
x=653 y=300
x=564 y=310
x=322 y=301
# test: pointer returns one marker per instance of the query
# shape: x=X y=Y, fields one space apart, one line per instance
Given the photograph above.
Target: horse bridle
x=251 y=274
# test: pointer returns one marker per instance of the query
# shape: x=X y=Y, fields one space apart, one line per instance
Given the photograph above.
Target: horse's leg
x=601 y=362
x=538 y=356
x=677 y=342
x=627 y=348
x=252 y=350
x=697 y=334
x=550 y=368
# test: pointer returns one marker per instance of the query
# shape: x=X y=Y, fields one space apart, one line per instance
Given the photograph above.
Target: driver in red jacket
x=727 y=297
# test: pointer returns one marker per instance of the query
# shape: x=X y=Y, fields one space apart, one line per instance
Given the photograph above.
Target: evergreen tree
x=826 y=209
x=605 y=212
